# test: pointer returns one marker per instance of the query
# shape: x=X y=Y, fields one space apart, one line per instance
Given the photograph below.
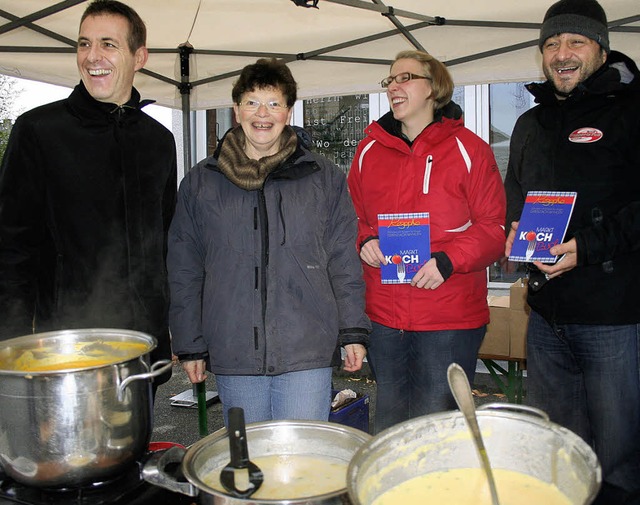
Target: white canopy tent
x=198 y=47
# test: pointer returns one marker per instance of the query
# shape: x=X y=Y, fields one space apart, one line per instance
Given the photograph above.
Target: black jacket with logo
x=588 y=143
x=87 y=191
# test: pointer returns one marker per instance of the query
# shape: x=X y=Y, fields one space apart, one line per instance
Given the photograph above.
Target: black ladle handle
x=238 y=439
x=239 y=455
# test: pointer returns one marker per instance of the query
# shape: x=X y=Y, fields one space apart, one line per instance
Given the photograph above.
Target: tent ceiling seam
x=195 y=18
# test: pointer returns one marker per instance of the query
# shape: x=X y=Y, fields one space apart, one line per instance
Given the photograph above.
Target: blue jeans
x=410 y=368
x=587 y=378
x=293 y=395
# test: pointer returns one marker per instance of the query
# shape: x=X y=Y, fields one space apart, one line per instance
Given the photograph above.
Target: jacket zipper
x=427 y=175
x=264 y=235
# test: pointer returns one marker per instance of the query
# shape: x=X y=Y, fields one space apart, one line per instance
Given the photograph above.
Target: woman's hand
x=354 y=357
x=371 y=254
x=428 y=277
x=195 y=369
x=511 y=238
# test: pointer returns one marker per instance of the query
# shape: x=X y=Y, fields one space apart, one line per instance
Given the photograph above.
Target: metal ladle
x=459 y=385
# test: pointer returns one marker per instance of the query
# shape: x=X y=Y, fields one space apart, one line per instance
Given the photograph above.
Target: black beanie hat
x=584 y=17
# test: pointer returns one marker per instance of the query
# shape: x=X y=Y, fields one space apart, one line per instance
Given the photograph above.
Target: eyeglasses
x=254 y=105
x=400 y=78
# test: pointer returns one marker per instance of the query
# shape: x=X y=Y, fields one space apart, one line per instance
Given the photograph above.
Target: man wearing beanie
x=584 y=328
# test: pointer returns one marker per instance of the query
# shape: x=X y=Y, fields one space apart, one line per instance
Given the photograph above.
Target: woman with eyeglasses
x=419 y=158
x=265 y=281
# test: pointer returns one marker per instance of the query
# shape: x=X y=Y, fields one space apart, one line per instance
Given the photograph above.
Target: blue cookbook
x=543 y=224
x=405 y=243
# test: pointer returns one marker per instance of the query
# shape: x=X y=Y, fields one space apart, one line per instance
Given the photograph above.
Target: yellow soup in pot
x=77 y=355
x=289 y=476
x=469 y=486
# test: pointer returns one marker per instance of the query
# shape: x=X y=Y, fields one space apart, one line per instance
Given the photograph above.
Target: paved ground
x=180 y=424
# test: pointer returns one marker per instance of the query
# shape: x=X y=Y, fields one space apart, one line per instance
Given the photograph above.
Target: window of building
x=507 y=101
x=336 y=125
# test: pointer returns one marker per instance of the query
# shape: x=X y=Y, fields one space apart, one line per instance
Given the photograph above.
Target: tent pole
x=186 y=131
x=185 y=90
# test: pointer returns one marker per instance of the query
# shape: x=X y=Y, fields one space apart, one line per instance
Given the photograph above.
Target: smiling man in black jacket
x=87 y=191
x=582 y=348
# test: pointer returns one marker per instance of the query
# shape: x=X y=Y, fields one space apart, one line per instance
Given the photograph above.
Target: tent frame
x=186 y=51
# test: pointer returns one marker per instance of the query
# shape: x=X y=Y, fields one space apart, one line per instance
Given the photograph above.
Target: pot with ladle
x=517 y=438
x=304 y=463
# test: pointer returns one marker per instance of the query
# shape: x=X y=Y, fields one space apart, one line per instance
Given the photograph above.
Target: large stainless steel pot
x=71 y=425
x=210 y=454
x=517 y=438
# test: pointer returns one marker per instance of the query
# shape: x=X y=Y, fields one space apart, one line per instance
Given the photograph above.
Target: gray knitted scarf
x=244 y=172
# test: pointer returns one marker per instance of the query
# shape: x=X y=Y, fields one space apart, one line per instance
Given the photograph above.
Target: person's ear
x=141 y=57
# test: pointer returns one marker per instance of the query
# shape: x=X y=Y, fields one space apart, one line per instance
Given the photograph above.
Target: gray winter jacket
x=265 y=281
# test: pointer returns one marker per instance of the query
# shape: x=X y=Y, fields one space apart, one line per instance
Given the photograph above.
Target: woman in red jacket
x=418 y=159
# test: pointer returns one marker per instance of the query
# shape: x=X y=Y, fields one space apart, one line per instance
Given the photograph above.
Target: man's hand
x=195 y=369
x=355 y=353
x=371 y=254
x=568 y=252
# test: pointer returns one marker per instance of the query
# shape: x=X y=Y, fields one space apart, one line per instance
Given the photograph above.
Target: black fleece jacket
x=87 y=192
x=548 y=152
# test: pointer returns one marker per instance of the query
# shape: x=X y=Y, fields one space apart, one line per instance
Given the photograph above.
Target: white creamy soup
x=469 y=486
x=289 y=476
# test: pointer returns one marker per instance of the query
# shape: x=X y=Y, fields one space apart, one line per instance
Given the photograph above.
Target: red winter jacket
x=464 y=195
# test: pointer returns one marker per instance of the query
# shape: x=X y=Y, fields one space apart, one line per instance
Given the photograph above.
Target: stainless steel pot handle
x=154 y=471
x=515 y=407
x=158 y=368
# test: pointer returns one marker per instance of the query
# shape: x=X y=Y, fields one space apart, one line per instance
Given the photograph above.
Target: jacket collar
x=298 y=165
x=393 y=127
x=617 y=75
x=93 y=112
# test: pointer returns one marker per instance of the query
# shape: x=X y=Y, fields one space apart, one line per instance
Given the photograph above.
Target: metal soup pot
x=516 y=437
x=76 y=405
x=204 y=460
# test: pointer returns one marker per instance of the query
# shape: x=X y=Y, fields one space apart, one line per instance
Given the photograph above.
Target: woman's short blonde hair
x=441 y=81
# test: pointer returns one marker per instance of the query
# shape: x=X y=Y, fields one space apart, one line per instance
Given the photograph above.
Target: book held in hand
x=543 y=224
x=405 y=243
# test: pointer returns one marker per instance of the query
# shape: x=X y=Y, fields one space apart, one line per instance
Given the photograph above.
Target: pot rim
x=194 y=450
x=520 y=416
x=88 y=334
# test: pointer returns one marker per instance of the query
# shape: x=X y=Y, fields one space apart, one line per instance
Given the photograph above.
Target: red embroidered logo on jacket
x=585 y=135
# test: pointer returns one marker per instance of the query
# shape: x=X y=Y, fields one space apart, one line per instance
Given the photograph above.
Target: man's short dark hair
x=137 y=29
x=266 y=73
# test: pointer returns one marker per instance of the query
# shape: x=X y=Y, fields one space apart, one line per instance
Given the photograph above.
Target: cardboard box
x=518 y=319
x=354 y=414
x=506 y=335
x=496 y=340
